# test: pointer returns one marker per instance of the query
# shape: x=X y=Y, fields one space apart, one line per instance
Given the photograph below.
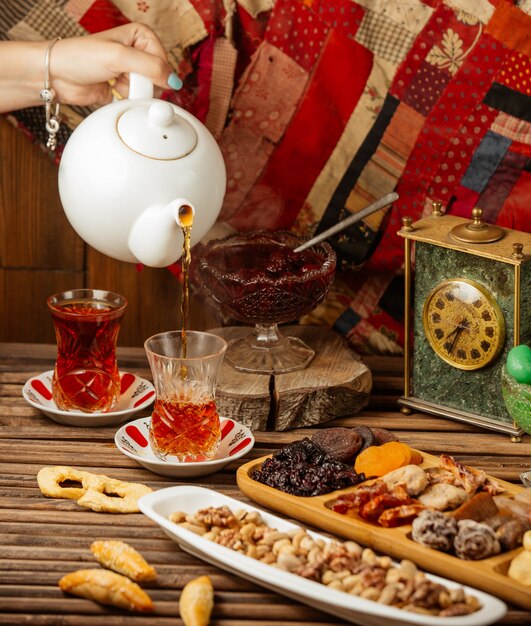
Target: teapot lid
x=155 y=130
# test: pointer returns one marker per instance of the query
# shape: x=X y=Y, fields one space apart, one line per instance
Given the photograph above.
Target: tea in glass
x=185 y=421
x=86 y=376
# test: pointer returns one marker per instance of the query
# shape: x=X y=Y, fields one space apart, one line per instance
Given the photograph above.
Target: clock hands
x=463 y=324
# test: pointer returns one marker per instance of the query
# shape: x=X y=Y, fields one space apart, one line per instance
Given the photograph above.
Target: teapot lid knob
x=161 y=113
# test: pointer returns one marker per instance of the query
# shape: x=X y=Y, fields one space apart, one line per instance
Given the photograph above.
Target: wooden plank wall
x=40 y=254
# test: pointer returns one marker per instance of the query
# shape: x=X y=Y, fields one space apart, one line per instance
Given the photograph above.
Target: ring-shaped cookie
x=107 y=495
x=50 y=479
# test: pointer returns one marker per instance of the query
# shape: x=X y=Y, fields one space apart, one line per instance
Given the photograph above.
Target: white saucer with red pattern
x=133 y=440
x=136 y=394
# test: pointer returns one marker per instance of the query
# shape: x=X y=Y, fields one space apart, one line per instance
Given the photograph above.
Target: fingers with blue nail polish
x=174 y=81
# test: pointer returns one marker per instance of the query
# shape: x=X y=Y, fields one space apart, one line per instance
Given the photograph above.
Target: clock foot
x=406 y=410
x=516 y=439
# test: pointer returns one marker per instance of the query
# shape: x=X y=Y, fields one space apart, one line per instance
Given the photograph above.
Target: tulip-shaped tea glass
x=185 y=367
x=259 y=279
x=86 y=376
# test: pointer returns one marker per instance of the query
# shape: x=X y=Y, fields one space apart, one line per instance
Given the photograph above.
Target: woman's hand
x=81 y=68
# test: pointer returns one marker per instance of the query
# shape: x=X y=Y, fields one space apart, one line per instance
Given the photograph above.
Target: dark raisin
x=303 y=469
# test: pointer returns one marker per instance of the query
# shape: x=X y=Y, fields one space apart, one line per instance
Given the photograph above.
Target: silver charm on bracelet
x=47 y=96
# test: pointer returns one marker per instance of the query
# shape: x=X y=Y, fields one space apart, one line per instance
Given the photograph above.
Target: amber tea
x=185 y=421
x=86 y=376
x=190 y=431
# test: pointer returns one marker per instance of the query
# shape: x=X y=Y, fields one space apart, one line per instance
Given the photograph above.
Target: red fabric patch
x=426 y=87
x=251 y=36
x=521 y=148
x=212 y=13
x=102 y=15
x=301 y=155
x=511 y=26
x=297 y=32
x=465 y=201
x=343 y=15
x=516 y=73
x=427 y=38
x=500 y=185
x=203 y=57
x=515 y=210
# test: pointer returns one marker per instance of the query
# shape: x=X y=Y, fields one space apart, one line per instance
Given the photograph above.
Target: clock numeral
x=478 y=303
x=448 y=345
x=438 y=333
x=449 y=296
x=435 y=318
x=485 y=345
x=486 y=316
x=439 y=304
x=489 y=331
x=461 y=354
x=475 y=354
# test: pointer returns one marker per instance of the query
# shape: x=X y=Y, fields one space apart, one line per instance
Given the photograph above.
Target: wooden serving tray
x=490 y=574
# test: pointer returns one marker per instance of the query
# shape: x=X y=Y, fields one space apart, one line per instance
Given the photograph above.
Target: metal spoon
x=372 y=208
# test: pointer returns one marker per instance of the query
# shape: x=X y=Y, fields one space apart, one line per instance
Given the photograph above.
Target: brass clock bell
x=471 y=305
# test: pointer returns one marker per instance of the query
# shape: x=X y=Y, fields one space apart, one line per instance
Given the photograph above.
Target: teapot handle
x=140 y=87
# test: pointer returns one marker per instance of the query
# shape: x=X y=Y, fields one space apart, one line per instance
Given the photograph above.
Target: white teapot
x=127 y=170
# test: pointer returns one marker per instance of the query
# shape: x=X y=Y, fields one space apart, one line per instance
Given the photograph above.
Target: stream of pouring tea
x=186 y=218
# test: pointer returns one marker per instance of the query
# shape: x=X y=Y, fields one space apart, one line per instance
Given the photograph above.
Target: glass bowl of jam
x=257 y=278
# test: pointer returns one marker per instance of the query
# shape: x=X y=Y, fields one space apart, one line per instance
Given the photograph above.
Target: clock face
x=463 y=324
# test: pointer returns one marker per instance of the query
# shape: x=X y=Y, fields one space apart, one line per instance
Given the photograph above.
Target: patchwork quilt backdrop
x=322 y=106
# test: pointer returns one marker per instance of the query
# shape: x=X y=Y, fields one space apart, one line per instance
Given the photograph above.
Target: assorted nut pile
x=345 y=566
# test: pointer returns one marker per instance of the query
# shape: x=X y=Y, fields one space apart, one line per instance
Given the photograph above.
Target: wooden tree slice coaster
x=335 y=384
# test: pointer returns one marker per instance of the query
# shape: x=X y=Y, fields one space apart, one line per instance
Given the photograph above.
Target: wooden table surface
x=42 y=539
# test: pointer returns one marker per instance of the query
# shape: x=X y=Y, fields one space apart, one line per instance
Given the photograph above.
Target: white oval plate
x=136 y=394
x=133 y=440
x=160 y=504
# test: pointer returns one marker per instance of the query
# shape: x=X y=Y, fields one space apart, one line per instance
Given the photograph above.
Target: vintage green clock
x=468 y=304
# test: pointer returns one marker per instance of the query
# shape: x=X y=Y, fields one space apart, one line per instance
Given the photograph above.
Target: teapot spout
x=156 y=238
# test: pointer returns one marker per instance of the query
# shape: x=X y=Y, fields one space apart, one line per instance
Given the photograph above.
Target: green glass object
x=519 y=363
x=517 y=397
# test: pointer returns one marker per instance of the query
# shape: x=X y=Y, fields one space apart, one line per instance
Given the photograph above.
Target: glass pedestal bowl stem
x=267 y=351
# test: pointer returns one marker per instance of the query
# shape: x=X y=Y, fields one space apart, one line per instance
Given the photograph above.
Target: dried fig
x=383 y=435
x=367 y=436
x=340 y=443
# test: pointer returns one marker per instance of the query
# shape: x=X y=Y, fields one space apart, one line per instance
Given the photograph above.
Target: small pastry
x=475 y=541
x=106 y=588
x=434 y=530
x=124 y=559
x=196 y=602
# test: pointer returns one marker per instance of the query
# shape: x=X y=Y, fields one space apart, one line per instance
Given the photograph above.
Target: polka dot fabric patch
x=516 y=73
x=297 y=32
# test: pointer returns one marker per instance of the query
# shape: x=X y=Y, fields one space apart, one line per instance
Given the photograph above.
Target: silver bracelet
x=47 y=96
